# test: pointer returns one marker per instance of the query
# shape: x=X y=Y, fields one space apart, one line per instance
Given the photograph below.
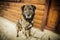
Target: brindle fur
x=26 y=22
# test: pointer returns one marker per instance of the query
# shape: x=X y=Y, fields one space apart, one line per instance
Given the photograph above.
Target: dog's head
x=28 y=11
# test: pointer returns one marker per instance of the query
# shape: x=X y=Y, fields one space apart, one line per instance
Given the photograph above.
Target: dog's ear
x=33 y=7
x=22 y=8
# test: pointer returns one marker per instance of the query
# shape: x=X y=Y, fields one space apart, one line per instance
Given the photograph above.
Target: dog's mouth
x=28 y=16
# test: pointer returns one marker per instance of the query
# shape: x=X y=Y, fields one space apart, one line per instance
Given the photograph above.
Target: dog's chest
x=23 y=23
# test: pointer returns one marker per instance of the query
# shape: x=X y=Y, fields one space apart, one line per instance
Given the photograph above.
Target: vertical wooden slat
x=52 y=18
x=44 y=20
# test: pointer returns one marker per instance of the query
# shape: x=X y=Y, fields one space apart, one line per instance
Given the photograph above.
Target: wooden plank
x=37 y=25
x=52 y=18
x=35 y=1
x=38 y=17
x=39 y=12
x=40 y=7
x=10 y=13
x=44 y=20
x=37 y=21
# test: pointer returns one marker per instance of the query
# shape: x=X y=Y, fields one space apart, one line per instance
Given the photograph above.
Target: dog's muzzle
x=28 y=16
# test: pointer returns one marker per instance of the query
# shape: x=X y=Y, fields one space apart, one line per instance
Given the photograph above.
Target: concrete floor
x=8 y=32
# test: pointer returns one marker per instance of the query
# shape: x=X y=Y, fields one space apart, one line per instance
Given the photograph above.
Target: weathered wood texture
x=12 y=11
x=53 y=16
x=35 y=1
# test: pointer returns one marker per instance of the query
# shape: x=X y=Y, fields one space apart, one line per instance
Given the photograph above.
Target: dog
x=25 y=23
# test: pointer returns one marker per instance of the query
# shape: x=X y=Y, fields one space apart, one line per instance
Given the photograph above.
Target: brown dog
x=26 y=22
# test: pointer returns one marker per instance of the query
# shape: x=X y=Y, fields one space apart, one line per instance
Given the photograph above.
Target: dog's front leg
x=28 y=33
x=19 y=28
x=24 y=32
x=17 y=32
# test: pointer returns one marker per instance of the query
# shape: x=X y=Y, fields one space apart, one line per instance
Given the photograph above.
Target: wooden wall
x=54 y=17
x=12 y=11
